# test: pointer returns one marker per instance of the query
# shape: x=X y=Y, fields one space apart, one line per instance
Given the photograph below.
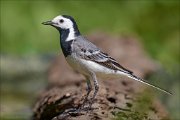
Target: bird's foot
x=86 y=106
x=67 y=113
x=89 y=107
x=76 y=111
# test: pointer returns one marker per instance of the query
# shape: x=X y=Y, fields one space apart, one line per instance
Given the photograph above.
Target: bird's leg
x=89 y=89
x=96 y=86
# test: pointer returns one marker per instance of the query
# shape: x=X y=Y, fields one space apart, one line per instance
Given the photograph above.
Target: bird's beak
x=48 y=23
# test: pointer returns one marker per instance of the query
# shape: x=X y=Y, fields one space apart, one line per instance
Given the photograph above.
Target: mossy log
x=118 y=99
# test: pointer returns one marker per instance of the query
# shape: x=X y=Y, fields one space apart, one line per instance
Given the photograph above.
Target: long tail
x=142 y=81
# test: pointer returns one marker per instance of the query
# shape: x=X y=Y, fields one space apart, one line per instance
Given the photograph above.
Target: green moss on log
x=139 y=109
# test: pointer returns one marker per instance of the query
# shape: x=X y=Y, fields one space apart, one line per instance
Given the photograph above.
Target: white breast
x=86 y=66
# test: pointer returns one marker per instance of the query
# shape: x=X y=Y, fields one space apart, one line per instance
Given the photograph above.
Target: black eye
x=61 y=20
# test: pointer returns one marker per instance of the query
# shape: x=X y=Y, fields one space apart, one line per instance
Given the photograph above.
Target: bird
x=86 y=58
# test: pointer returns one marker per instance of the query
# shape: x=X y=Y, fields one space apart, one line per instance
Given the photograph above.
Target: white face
x=62 y=22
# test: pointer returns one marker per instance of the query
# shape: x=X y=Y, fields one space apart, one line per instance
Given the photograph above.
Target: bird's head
x=62 y=22
x=66 y=25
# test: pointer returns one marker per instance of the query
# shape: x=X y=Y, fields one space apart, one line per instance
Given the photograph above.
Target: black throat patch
x=65 y=45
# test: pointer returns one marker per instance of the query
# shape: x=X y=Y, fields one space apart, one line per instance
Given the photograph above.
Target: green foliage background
x=155 y=22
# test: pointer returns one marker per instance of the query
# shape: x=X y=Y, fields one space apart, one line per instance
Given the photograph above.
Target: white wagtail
x=87 y=58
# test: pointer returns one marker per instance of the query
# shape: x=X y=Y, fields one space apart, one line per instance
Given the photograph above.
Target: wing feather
x=105 y=60
x=87 y=50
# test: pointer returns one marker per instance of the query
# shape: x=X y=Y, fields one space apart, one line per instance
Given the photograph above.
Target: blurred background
x=27 y=47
